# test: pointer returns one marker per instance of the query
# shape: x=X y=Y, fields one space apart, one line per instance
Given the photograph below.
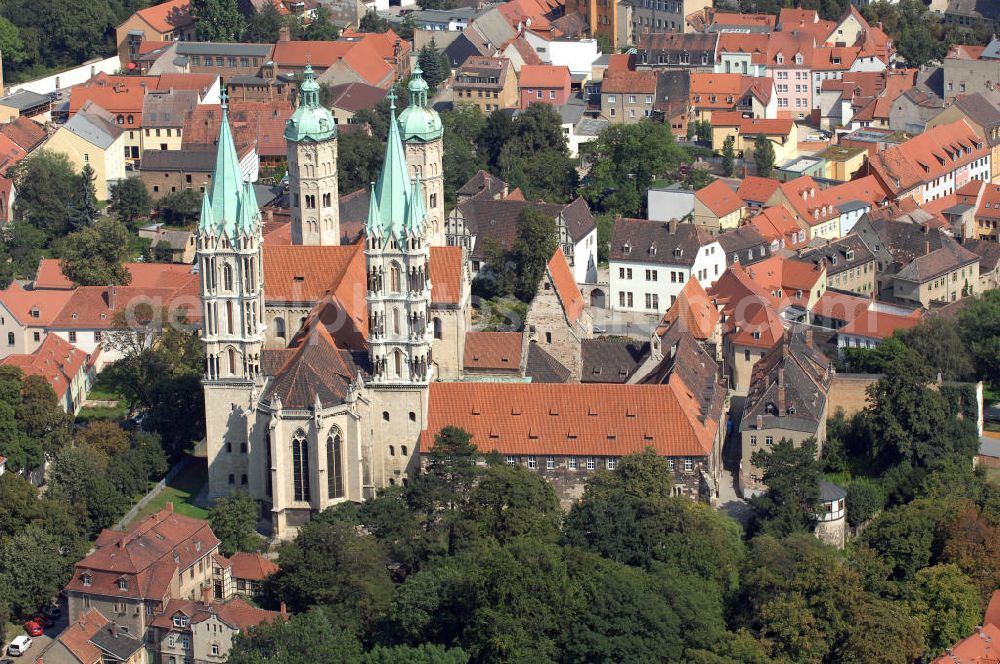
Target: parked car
x=43 y=620
x=33 y=628
x=19 y=645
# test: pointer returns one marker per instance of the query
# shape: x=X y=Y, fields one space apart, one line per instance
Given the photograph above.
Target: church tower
x=423 y=137
x=397 y=256
x=311 y=137
x=232 y=295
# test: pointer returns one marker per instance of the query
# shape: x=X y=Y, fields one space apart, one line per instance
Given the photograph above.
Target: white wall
x=667 y=205
x=579 y=55
x=70 y=77
x=585 y=259
x=669 y=281
x=709 y=264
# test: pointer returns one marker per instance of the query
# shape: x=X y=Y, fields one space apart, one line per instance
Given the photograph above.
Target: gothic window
x=334 y=467
x=279 y=327
x=398 y=361
x=300 y=466
x=437 y=328
x=232 y=361
x=229 y=317
x=394 y=278
x=267 y=453
x=395 y=321
x=434 y=200
x=326 y=200
x=392 y=450
x=227 y=277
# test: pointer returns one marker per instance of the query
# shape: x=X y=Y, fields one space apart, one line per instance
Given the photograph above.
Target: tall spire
x=418 y=87
x=392 y=191
x=227 y=180
x=415 y=212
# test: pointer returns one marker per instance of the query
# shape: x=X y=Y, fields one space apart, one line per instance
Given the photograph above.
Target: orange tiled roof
x=95 y=307
x=24 y=132
x=737 y=42
x=320 y=54
x=56 y=360
x=252 y=566
x=776 y=223
x=840 y=306
x=144 y=275
x=719 y=198
x=621 y=62
x=982 y=647
x=756 y=189
x=167 y=16
x=589 y=419
x=77 y=634
x=935 y=152
x=493 y=351
x=877 y=324
x=10 y=154
x=22 y=304
x=787 y=274
x=544 y=76
x=446 y=268
x=622 y=82
x=565 y=285
x=694 y=310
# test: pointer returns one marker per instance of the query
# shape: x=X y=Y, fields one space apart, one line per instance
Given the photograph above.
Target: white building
x=670 y=202
x=651 y=261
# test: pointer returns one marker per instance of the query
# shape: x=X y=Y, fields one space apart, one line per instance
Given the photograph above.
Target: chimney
x=268 y=215
x=206 y=594
x=781 y=391
x=672 y=226
x=170 y=507
x=927 y=247
x=760 y=421
x=113 y=629
x=284 y=34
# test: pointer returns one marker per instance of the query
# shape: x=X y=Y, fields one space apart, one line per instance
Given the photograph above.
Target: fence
x=153 y=493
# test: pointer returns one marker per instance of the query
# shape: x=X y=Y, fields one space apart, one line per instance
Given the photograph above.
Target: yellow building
x=842 y=162
x=783 y=134
x=92 y=137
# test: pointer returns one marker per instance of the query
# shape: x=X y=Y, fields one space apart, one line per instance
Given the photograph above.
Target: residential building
x=896 y=236
x=987 y=215
x=489 y=83
x=743 y=245
x=718 y=207
x=163 y=115
x=602 y=18
x=873 y=324
x=650 y=262
x=969 y=69
x=667 y=202
x=756 y=191
x=828 y=213
x=777 y=225
x=246 y=572
x=543 y=84
x=970 y=14
x=850 y=266
x=200 y=631
x=228 y=60
x=347 y=99
x=25 y=133
x=748 y=95
x=92 y=137
x=25 y=316
x=946 y=274
x=628 y=96
x=671 y=49
x=914 y=108
x=790 y=282
x=742 y=53
x=653 y=16
x=670 y=105
x=787 y=399
x=980 y=111
x=166 y=22
x=933 y=164
x=169 y=171
x=711 y=20
x=782 y=133
x=448 y=20
x=789 y=63
x=93 y=639
x=122 y=97
x=67 y=369
x=25 y=103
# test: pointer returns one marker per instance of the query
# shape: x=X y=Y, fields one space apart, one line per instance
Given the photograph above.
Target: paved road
x=39 y=643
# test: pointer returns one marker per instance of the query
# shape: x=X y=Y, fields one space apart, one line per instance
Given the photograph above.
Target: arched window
x=394 y=278
x=437 y=327
x=230 y=327
x=10 y=338
x=131 y=120
x=334 y=467
x=279 y=327
x=402 y=450
x=227 y=276
x=395 y=321
x=392 y=450
x=300 y=466
x=548 y=337
x=232 y=361
x=398 y=361
x=267 y=455
x=243 y=480
x=232 y=478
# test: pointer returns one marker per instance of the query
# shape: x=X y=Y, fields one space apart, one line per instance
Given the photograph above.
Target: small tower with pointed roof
x=423 y=140
x=230 y=240
x=311 y=136
x=397 y=256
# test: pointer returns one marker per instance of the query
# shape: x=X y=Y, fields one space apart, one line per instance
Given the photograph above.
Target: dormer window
x=87 y=579
x=35 y=313
x=833 y=259
x=181 y=621
x=798 y=59
x=850 y=254
x=780 y=59
x=756 y=335
x=678 y=252
x=652 y=250
x=627 y=248
x=122 y=584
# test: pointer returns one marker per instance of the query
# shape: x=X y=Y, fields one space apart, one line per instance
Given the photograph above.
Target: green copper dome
x=418 y=122
x=310 y=121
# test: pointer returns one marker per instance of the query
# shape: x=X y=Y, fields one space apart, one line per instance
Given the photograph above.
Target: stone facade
x=549 y=326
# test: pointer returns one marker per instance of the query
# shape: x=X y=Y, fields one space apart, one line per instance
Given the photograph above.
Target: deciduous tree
x=94 y=256
x=217 y=20
x=130 y=200
x=233 y=520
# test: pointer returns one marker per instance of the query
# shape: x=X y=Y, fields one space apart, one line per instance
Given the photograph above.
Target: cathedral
x=320 y=350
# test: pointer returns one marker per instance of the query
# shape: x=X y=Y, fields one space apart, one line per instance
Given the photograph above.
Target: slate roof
x=224 y=48
x=167 y=109
x=543 y=368
x=117 y=643
x=24 y=100
x=951 y=256
x=788 y=387
x=355 y=96
x=93 y=124
x=743 y=239
x=988 y=252
x=981 y=110
x=835 y=254
x=689 y=366
x=611 y=359
x=664 y=243
x=190 y=161
x=497 y=219
x=483 y=182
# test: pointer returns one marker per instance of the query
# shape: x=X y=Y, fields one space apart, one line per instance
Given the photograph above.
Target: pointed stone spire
x=227 y=180
x=415 y=211
x=392 y=191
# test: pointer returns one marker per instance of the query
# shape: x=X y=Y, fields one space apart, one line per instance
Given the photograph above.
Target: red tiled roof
x=965 y=51
x=167 y=16
x=144 y=275
x=493 y=350
x=756 y=189
x=787 y=274
x=77 y=634
x=96 y=307
x=935 y=152
x=56 y=360
x=252 y=566
x=198 y=82
x=753 y=126
x=748 y=311
x=50 y=275
x=446 y=267
x=788 y=45
x=24 y=132
x=982 y=647
x=589 y=419
x=242 y=615
x=989 y=204
x=694 y=310
x=621 y=62
x=719 y=198
x=118 y=95
x=737 y=42
x=10 y=154
x=45 y=303
x=320 y=54
x=992 y=615
x=622 y=82
x=565 y=285
x=877 y=324
x=840 y=306
x=546 y=76
x=777 y=223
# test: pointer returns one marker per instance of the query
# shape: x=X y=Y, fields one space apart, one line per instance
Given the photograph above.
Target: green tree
x=106 y=437
x=877 y=624
x=130 y=201
x=24 y=244
x=41 y=417
x=359 y=161
x=437 y=4
x=46 y=188
x=974 y=545
x=729 y=156
x=605 y=230
x=763 y=156
x=495 y=134
x=233 y=520
x=322 y=27
x=979 y=325
x=404 y=29
x=94 y=256
x=79 y=476
x=264 y=25
x=331 y=564
x=551 y=176
x=217 y=20
x=84 y=212
x=792 y=476
x=427 y=653
x=372 y=22
x=180 y=208
x=864 y=500
x=21 y=504
x=534 y=245
x=32 y=570
x=947 y=602
x=308 y=637
x=434 y=64
x=509 y=502
x=10 y=43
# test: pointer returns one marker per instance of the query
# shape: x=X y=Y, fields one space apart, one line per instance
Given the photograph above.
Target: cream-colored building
x=943 y=275
x=91 y=137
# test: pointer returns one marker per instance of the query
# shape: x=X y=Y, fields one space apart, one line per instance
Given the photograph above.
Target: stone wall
x=833 y=533
x=547 y=325
x=848 y=393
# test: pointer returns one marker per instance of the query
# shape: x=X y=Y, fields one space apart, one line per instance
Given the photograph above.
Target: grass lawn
x=92 y=414
x=13 y=630
x=104 y=389
x=181 y=491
